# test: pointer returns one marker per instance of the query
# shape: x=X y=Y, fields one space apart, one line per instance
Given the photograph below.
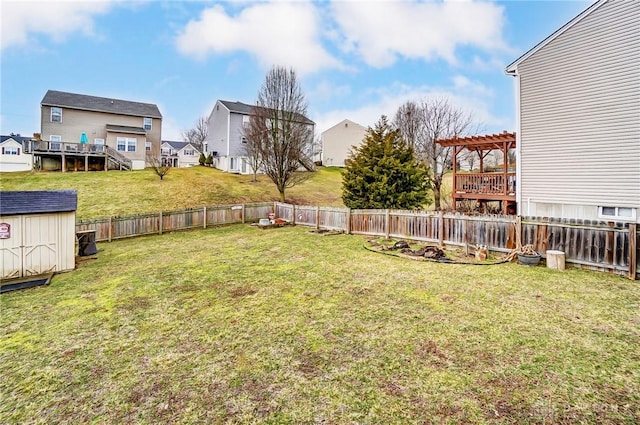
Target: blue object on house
x=84 y=138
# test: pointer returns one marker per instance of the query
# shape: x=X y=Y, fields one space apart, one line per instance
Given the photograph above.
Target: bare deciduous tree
x=198 y=134
x=254 y=139
x=279 y=131
x=161 y=169
x=421 y=124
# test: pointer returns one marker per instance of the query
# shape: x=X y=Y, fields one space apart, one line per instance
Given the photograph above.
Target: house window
x=147 y=146
x=189 y=152
x=165 y=151
x=147 y=123
x=56 y=114
x=55 y=142
x=233 y=163
x=98 y=141
x=10 y=150
x=126 y=144
x=245 y=121
x=620 y=213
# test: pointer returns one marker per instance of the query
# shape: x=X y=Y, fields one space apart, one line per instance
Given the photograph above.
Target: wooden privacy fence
x=611 y=246
x=110 y=228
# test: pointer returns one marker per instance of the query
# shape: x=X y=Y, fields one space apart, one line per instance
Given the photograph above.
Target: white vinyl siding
x=580 y=113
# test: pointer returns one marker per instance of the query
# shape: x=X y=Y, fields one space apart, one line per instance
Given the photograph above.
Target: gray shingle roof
x=125 y=129
x=245 y=109
x=100 y=104
x=18 y=139
x=38 y=201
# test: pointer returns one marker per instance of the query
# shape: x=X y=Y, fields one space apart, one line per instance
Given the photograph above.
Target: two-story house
x=338 y=141
x=226 y=138
x=179 y=154
x=578 y=117
x=90 y=132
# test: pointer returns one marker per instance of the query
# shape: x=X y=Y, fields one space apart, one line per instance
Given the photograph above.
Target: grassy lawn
x=119 y=193
x=237 y=325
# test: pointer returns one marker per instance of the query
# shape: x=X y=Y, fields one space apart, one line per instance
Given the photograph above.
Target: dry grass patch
x=237 y=325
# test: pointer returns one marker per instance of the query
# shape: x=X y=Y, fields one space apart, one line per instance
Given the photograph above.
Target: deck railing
x=486 y=183
x=39 y=146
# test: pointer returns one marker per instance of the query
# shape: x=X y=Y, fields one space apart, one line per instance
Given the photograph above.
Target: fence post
x=293 y=214
x=519 y=232
x=348 y=221
x=160 y=222
x=110 y=219
x=633 y=250
x=386 y=224
x=242 y=213
x=317 y=216
x=204 y=219
x=440 y=228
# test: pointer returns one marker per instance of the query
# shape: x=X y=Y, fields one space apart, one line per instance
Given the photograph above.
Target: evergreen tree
x=202 y=159
x=209 y=160
x=383 y=173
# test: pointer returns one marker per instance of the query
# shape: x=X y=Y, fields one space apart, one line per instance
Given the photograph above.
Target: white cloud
x=54 y=19
x=380 y=32
x=468 y=95
x=278 y=33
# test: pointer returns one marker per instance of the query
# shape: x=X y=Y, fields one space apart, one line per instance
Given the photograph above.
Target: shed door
x=11 y=249
x=40 y=242
x=32 y=247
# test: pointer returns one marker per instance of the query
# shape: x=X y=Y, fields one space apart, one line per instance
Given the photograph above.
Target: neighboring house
x=12 y=154
x=225 y=139
x=131 y=129
x=179 y=154
x=578 y=117
x=338 y=141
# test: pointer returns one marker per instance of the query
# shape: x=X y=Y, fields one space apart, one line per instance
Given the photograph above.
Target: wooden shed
x=37 y=232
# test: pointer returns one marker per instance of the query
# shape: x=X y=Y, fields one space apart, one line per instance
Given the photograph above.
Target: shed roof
x=100 y=104
x=38 y=201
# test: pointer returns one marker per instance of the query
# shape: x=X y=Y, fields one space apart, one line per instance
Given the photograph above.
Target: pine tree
x=202 y=159
x=209 y=160
x=383 y=173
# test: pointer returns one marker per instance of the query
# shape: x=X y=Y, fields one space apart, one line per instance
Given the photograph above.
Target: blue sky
x=356 y=59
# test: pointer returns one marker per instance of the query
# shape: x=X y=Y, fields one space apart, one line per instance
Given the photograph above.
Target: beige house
x=12 y=154
x=126 y=129
x=338 y=141
x=578 y=117
x=179 y=154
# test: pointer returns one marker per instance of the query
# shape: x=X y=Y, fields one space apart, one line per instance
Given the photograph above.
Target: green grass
x=119 y=193
x=240 y=325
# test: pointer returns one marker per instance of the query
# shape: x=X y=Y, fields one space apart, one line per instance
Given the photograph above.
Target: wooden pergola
x=484 y=186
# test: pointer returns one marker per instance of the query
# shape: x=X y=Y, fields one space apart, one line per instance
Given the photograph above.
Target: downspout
x=516 y=86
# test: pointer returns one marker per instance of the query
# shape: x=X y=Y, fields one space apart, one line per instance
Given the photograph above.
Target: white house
x=12 y=154
x=338 y=141
x=578 y=117
x=225 y=139
x=179 y=154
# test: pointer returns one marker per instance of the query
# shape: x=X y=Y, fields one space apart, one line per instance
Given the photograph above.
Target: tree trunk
x=436 y=193
x=281 y=195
